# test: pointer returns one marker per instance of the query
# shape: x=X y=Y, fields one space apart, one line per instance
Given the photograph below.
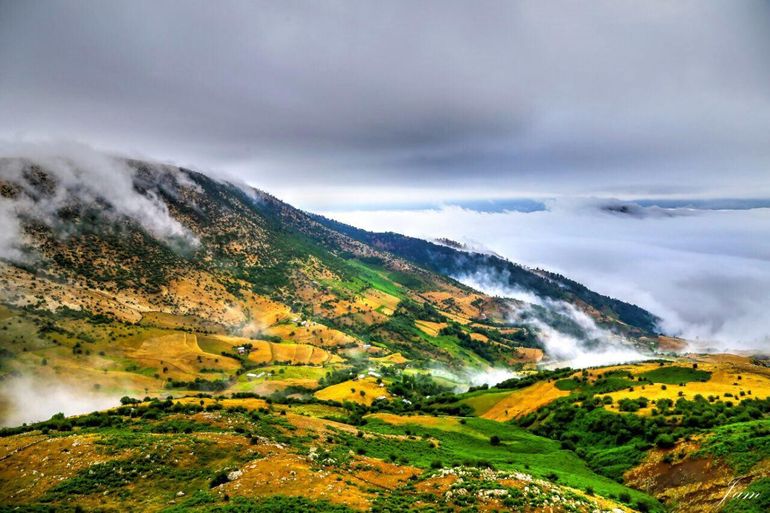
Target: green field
x=364 y=276
x=674 y=375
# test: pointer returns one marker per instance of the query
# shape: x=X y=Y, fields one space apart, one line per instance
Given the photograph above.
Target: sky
x=321 y=102
x=519 y=125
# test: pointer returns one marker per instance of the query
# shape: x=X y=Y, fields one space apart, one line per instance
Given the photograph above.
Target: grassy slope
x=138 y=458
x=519 y=449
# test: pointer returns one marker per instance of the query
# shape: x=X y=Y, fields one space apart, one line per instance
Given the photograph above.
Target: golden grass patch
x=395 y=358
x=351 y=390
x=34 y=463
x=430 y=328
x=282 y=473
x=529 y=354
x=377 y=299
x=263 y=351
x=480 y=337
x=726 y=378
x=455 y=301
x=311 y=333
x=180 y=354
x=523 y=401
x=446 y=423
x=250 y=403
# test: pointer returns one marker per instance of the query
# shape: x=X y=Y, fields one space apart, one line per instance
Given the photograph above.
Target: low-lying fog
x=584 y=345
x=27 y=399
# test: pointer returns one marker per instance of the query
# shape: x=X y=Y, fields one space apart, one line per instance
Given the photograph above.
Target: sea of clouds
x=704 y=272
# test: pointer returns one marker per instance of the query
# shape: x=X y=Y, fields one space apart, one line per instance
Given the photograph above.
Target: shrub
x=219 y=479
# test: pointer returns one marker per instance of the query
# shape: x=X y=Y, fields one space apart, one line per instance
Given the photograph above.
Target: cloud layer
x=338 y=104
x=454 y=97
x=706 y=273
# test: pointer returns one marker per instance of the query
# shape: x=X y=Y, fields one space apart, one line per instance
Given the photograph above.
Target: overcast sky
x=320 y=101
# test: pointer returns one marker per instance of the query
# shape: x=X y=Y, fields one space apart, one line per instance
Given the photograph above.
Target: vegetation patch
x=742 y=445
x=674 y=374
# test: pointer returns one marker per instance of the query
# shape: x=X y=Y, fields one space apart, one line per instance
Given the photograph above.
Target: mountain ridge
x=428 y=253
x=248 y=238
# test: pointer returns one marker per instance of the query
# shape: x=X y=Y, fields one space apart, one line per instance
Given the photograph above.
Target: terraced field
x=180 y=356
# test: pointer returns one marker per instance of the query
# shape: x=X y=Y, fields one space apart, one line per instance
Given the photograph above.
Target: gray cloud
x=631 y=98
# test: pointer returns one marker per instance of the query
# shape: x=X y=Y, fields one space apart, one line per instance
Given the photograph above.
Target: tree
x=664 y=441
x=494 y=440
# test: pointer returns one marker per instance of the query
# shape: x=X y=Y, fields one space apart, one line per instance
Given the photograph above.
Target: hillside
x=219 y=259
x=243 y=355
x=452 y=260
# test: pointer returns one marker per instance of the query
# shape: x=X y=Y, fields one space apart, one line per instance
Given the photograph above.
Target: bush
x=219 y=479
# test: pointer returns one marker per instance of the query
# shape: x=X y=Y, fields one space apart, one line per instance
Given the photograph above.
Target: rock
x=180 y=493
x=235 y=474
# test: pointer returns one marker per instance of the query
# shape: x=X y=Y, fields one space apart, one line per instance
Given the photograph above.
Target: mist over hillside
x=702 y=271
x=571 y=337
x=162 y=246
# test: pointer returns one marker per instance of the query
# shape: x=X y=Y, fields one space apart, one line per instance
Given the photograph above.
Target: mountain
x=216 y=253
x=452 y=260
x=238 y=354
